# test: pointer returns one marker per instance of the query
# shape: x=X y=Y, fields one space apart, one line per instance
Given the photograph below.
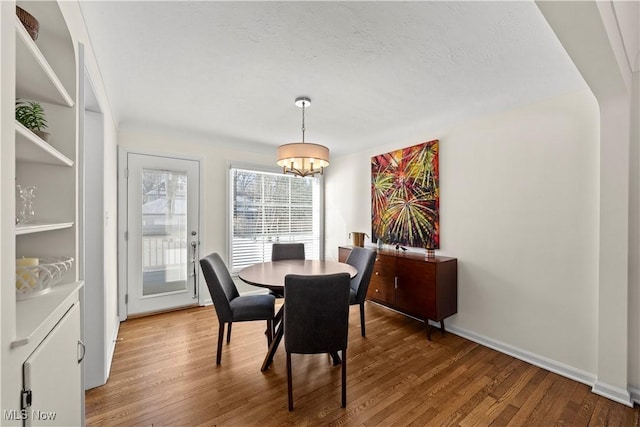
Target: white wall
x=602 y=40
x=95 y=338
x=519 y=209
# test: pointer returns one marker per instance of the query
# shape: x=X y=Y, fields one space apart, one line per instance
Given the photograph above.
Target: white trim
x=635 y=394
x=167 y=154
x=614 y=393
x=122 y=228
x=249 y=167
x=229 y=210
x=203 y=291
x=253 y=167
x=111 y=351
x=527 y=356
x=123 y=152
x=617 y=394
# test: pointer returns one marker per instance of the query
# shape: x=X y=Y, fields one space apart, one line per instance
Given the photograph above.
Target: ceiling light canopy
x=303 y=158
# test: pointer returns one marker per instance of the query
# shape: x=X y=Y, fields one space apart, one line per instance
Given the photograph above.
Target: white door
x=162 y=233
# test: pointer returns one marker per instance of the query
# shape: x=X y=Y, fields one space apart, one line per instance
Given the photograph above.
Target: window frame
x=230 y=205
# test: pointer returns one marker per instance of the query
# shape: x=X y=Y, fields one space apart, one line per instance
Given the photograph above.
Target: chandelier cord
x=303 y=128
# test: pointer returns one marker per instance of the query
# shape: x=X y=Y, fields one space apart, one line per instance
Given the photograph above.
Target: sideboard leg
x=442 y=327
x=428 y=325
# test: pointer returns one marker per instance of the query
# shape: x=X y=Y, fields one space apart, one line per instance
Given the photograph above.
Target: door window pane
x=164 y=231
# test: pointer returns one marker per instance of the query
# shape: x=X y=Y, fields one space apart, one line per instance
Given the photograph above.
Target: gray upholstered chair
x=316 y=320
x=281 y=251
x=230 y=306
x=363 y=260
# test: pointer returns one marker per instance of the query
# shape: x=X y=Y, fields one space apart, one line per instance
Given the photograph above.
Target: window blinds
x=268 y=208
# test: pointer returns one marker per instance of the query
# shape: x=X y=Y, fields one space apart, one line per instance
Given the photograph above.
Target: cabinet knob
x=377 y=273
x=377 y=291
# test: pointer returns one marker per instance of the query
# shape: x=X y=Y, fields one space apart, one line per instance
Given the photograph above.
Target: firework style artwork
x=405 y=196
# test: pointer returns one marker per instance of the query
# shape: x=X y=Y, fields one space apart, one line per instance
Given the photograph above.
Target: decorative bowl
x=38 y=277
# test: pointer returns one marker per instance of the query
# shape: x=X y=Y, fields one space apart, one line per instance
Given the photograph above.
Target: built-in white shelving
x=35 y=78
x=31 y=148
x=40 y=227
x=45 y=72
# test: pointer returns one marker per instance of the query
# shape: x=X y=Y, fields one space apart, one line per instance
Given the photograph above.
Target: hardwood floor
x=164 y=373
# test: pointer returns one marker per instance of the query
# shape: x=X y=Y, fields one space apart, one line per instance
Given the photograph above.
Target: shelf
x=31 y=148
x=40 y=227
x=38 y=315
x=35 y=78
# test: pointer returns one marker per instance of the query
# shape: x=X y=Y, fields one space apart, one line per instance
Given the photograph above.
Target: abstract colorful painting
x=405 y=196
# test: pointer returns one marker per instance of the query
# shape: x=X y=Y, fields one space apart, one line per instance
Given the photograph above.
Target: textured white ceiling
x=376 y=72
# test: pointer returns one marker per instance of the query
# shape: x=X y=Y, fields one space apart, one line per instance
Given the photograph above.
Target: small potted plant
x=31 y=115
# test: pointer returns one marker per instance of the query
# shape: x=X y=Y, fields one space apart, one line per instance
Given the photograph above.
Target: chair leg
x=229 y=333
x=289 y=382
x=344 y=378
x=220 y=339
x=278 y=316
x=269 y=331
x=362 y=331
x=276 y=319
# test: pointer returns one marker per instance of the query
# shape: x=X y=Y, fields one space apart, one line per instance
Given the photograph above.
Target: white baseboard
x=635 y=394
x=112 y=350
x=614 y=393
x=617 y=394
x=527 y=356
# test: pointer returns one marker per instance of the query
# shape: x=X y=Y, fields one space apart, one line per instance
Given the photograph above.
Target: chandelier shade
x=303 y=158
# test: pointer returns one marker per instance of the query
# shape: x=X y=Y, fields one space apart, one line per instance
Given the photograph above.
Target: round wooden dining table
x=272 y=274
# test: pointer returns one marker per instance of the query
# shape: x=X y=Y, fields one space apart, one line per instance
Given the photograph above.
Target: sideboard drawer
x=385 y=266
x=381 y=290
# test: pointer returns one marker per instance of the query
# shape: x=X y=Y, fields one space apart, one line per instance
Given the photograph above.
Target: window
x=267 y=208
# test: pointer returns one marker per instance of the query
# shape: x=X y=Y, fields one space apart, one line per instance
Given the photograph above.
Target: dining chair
x=230 y=306
x=316 y=320
x=282 y=251
x=363 y=260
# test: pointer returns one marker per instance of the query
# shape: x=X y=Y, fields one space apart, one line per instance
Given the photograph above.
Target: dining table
x=271 y=275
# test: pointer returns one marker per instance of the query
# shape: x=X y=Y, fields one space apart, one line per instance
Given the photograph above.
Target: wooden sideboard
x=411 y=283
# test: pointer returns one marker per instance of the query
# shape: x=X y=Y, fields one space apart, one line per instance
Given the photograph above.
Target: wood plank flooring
x=164 y=373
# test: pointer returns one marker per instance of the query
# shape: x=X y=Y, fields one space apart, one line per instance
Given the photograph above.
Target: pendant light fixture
x=303 y=158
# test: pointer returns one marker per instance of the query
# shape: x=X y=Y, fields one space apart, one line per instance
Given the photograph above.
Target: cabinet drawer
x=381 y=290
x=384 y=267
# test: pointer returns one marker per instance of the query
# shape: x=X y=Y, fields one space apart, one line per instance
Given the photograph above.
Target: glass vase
x=27 y=195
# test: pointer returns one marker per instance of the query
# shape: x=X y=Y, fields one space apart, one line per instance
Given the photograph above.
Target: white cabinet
x=39 y=336
x=52 y=374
